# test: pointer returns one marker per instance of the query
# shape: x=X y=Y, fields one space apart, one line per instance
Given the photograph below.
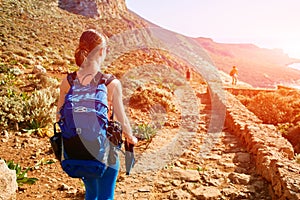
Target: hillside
x=259 y=67
x=39 y=32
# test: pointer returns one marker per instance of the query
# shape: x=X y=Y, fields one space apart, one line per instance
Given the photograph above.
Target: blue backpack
x=83 y=125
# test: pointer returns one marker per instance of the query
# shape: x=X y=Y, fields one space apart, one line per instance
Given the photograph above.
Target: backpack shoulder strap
x=104 y=78
x=108 y=78
x=71 y=77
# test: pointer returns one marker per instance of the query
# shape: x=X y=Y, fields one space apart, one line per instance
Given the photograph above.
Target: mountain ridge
x=269 y=65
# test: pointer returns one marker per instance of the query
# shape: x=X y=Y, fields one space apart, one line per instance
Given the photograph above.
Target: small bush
x=21 y=173
x=4 y=68
x=144 y=131
x=283 y=128
x=7 y=78
x=27 y=111
x=145 y=98
x=11 y=108
x=40 y=108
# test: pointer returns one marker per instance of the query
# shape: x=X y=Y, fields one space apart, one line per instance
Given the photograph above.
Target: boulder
x=8 y=182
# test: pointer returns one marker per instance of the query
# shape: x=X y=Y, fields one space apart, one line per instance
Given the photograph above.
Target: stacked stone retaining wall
x=273 y=154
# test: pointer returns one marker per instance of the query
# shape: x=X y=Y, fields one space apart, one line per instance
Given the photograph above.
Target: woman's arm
x=64 y=88
x=115 y=90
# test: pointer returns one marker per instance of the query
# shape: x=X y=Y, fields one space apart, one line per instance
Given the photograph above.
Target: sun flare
x=292 y=49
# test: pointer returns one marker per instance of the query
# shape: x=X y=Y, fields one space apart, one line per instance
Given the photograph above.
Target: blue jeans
x=102 y=188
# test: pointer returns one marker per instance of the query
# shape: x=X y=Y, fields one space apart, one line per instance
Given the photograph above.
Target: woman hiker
x=89 y=56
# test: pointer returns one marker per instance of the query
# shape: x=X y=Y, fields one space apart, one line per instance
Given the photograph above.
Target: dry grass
x=282 y=106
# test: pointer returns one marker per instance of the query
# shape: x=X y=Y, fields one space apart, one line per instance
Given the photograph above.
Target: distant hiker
x=234 y=74
x=188 y=74
x=89 y=56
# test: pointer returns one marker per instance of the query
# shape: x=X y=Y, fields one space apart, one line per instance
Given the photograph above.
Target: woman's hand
x=131 y=139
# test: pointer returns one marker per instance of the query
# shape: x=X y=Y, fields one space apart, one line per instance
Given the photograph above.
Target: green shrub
x=40 y=108
x=4 y=68
x=7 y=78
x=144 y=131
x=21 y=173
x=27 y=111
x=284 y=127
x=11 y=108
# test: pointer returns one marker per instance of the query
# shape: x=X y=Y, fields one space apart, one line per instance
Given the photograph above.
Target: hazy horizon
x=269 y=24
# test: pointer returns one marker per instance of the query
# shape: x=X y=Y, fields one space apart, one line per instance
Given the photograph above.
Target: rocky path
x=226 y=171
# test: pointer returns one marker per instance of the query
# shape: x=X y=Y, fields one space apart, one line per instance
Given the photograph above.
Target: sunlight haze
x=265 y=23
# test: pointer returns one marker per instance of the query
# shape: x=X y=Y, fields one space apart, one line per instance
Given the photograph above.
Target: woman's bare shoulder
x=64 y=86
x=114 y=83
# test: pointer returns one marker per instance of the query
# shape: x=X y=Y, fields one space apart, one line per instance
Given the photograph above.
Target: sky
x=265 y=23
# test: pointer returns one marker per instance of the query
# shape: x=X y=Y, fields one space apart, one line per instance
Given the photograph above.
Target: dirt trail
x=226 y=171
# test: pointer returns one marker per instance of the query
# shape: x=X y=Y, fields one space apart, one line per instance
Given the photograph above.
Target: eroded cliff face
x=95 y=8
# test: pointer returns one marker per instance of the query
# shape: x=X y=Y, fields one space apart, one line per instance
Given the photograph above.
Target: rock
x=239 y=178
x=207 y=193
x=167 y=189
x=272 y=153
x=214 y=177
x=145 y=189
x=178 y=164
x=213 y=157
x=72 y=191
x=293 y=136
x=39 y=69
x=4 y=140
x=95 y=9
x=242 y=158
x=4 y=134
x=188 y=186
x=8 y=182
x=229 y=192
x=176 y=182
x=180 y=194
x=226 y=163
x=186 y=175
x=64 y=187
x=16 y=71
x=161 y=184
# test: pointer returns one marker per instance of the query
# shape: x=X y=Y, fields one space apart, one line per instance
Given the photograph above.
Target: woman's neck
x=87 y=72
x=90 y=67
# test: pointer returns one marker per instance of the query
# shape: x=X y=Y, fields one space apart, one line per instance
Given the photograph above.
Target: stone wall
x=273 y=154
